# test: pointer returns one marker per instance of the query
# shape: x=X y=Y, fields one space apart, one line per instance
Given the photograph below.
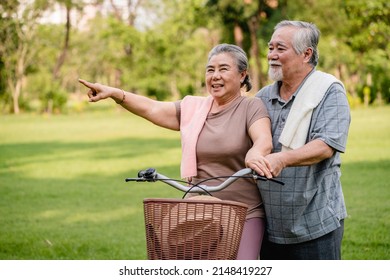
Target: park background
x=63 y=161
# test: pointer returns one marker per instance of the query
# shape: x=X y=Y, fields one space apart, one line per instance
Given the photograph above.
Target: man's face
x=283 y=61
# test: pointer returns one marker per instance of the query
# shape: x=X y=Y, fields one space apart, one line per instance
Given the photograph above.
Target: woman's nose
x=216 y=75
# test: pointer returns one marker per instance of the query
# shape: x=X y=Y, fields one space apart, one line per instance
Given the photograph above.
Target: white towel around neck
x=295 y=131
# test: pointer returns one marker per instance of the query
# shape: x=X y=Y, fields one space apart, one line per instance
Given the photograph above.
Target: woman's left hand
x=258 y=163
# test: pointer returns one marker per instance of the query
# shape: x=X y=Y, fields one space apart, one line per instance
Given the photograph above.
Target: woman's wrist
x=120 y=97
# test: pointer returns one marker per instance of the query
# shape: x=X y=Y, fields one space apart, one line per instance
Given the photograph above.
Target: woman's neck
x=220 y=104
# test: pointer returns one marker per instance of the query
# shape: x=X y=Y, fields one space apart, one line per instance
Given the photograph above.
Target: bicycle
x=198 y=228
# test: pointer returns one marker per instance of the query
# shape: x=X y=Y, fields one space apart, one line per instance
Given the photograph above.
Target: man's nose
x=272 y=55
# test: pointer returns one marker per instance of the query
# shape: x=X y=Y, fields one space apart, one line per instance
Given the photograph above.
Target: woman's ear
x=243 y=75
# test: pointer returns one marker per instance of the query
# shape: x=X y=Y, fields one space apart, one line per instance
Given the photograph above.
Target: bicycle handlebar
x=150 y=175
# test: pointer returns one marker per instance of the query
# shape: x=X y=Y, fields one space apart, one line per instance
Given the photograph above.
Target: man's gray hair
x=307 y=36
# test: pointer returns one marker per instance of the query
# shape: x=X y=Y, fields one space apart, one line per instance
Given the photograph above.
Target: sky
x=57 y=15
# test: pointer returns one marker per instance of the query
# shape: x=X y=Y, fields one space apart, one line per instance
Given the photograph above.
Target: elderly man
x=310 y=119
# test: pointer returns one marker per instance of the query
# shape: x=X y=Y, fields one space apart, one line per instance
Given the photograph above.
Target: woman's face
x=223 y=80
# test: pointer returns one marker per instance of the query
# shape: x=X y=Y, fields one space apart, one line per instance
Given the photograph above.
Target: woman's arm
x=160 y=113
x=260 y=133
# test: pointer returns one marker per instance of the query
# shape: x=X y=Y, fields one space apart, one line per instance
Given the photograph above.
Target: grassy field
x=63 y=194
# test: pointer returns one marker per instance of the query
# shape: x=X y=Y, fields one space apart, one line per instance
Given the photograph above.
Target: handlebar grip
x=149 y=173
x=133 y=180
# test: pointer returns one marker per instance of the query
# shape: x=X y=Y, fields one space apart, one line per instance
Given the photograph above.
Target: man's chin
x=275 y=77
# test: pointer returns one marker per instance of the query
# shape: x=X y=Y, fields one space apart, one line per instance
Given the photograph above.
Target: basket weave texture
x=193 y=229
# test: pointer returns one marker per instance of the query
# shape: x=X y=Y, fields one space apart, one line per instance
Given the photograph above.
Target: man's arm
x=310 y=153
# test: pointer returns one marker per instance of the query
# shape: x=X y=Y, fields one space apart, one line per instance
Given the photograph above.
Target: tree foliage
x=159 y=48
x=368 y=35
x=19 y=23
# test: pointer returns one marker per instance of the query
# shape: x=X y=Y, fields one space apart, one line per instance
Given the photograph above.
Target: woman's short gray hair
x=307 y=36
x=239 y=55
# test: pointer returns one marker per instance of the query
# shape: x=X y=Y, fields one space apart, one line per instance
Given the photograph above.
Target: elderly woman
x=217 y=131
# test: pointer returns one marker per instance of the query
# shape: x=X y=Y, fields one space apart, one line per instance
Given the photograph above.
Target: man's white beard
x=275 y=75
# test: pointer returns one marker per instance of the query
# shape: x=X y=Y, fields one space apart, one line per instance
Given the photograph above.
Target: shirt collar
x=274 y=94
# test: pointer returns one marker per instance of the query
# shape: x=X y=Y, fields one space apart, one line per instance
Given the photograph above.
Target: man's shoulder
x=267 y=91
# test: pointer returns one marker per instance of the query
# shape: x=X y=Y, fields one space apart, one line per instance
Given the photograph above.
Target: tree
x=242 y=21
x=69 y=5
x=163 y=54
x=354 y=42
x=19 y=22
x=368 y=35
x=166 y=59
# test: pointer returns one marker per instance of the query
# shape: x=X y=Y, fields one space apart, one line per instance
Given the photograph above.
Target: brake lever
x=262 y=178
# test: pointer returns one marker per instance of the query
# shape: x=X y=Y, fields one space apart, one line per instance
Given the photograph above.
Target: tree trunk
x=61 y=58
x=19 y=74
x=175 y=93
x=238 y=35
x=117 y=13
x=15 y=92
x=253 y=25
x=132 y=7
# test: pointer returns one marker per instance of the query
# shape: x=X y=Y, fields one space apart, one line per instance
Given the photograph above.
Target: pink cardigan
x=193 y=114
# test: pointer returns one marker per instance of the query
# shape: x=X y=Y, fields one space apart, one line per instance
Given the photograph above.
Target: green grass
x=366 y=182
x=63 y=195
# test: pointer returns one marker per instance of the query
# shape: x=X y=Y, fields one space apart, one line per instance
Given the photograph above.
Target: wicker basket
x=193 y=229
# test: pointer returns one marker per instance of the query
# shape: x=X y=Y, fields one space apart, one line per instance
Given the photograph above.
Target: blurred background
x=158 y=48
x=63 y=161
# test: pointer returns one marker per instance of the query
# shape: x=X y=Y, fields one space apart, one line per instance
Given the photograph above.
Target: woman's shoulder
x=195 y=100
x=254 y=105
x=251 y=100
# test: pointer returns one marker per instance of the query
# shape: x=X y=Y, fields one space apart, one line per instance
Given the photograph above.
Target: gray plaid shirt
x=311 y=203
